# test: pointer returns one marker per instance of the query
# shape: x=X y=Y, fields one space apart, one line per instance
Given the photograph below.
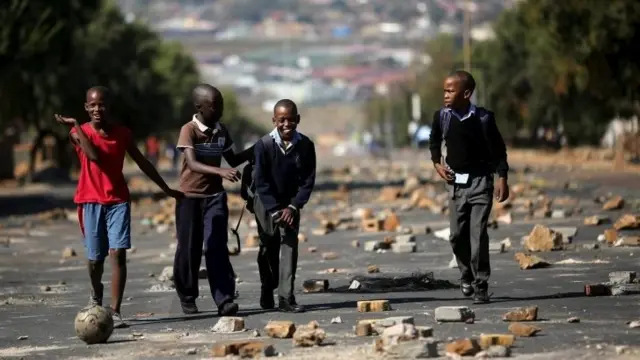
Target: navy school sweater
x=286 y=178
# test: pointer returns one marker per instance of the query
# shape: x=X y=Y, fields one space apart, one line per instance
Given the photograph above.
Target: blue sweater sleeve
x=308 y=178
x=265 y=188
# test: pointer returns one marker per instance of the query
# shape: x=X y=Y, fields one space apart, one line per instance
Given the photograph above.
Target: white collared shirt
x=470 y=113
x=275 y=135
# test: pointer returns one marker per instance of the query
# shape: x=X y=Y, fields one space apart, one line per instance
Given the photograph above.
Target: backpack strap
x=445 y=120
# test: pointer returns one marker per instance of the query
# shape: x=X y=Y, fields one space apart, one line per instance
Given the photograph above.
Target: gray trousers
x=469 y=210
x=278 y=260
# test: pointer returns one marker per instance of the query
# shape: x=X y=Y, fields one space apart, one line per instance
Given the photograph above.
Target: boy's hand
x=286 y=217
x=174 y=193
x=444 y=173
x=232 y=175
x=501 y=191
x=63 y=120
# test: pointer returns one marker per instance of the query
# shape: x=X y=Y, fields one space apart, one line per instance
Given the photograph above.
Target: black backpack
x=247 y=183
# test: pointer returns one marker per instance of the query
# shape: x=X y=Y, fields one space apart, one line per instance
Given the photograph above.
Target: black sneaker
x=95 y=298
x=467 y=289
x=481 y=296
x=228 y=309
x=266 y=299
x=189 y=308
x=286 y=306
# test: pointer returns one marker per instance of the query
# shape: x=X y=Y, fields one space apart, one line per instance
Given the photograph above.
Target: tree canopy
x=570 y=62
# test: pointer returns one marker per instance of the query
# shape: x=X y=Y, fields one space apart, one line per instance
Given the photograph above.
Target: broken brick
x=391 y=222
x=372 y=225
x=595 y=220
x=319 y=232
x=523 y=330
x=315 y=285
x=280 y=329
x=228 y=324
x=245 y=349
x=628 y=241
x=453 y=314
x=505 y=218
x=329 y=256
x=597 y=290
x=373 y=269
x=307 y=336
x=522 y=314
x=610 y=236
x=373 y=306
x=488 y=340
x=364 y=329
x=302 y=238
x=355 y=244
x=463 y=347
x=615 y=203
x=389 y=193
x=626 y=222
x=403 y=248
x=69 y=252
x=398 y=333
x=542 y=238
x=527 y=262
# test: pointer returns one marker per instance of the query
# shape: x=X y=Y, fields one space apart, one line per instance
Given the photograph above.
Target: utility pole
x=466 y=37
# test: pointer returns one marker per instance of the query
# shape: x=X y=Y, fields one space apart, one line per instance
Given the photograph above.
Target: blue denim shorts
x=105 y=227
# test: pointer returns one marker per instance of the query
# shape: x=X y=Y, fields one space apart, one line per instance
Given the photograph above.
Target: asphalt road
x=159 y=331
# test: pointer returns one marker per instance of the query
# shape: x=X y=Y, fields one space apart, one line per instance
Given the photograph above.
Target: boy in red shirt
x=102 y=194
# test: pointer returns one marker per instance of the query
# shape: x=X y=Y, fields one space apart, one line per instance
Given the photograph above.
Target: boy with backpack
x=475 y=151
x=280 y=186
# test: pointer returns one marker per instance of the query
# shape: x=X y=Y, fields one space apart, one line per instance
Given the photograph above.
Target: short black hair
x=106 y=93
x=466 y=79
x=205 y=91
x=286 y=103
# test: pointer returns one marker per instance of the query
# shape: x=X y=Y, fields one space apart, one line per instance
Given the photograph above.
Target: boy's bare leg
x=96 y=268
x=118 y=277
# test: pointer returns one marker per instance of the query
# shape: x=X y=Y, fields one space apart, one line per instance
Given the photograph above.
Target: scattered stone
x=228 y=324
x=498 y=248
x=45 y=288
x=522 y=314
x=23 y=337
x=443 y=234
x=244 y=349
x=398 y=333
x=167 y=274
x=523 y=330
x=424 y=331
x=336 y=320
x=627 y=222
x=372 y=225
x=403 y=248
x=528 y=262
x=622 y=277
x=302 y=237
x=69 y=252
x=591 y=246
x=568 y=233
x=319 y=232
x=389 y=194
x=573 y=320
x=391 y=222
x=505 y=218
x=374 y=306
x=559 y=214
x=280 y=329
x=191 y=351
x=634 y=324
x=307 y=336
x=628 y=241
x=615 y=203
x=495 y=351
x=488 y=340
x=315 y=285
x=329 y=256
x=355 y=244
x=453 y=314
x=364 y=329
x=405 y=239
x=597 y=290
x=313 y=324
x=373 y=269
x=596 y=220
x=312 y=249
x=419 y=349
x=611 y=236
x=463 y=347
x=542 y=238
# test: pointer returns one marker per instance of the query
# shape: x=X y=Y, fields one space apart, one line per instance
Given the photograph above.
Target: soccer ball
x=94 y=324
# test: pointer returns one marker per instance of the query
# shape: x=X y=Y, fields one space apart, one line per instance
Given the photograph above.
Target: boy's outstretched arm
x=308 y=177
x=148 y=169
x=263 y=180
x=236 y=159
x=78 y=137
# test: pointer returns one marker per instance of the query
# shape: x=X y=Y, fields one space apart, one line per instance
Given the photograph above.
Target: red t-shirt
x=103 y=181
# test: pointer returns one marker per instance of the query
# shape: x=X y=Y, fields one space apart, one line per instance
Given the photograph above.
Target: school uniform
x=202 y=217
x=475 y=151
x=284 y=177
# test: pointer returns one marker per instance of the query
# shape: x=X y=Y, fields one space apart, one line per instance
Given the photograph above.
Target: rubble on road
x=305 y=336
x=244 y=349
x=529 y=313
x=527 y=262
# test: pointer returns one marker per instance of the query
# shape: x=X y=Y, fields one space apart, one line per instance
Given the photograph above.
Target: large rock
x=542 y=238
